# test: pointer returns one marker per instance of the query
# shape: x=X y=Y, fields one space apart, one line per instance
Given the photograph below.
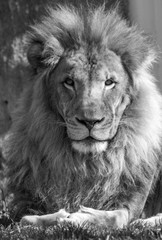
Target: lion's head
x=90 y=121
x=90 y=64
x=91 y=95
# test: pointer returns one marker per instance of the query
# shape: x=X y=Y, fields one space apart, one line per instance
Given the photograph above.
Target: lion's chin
x=89 y=147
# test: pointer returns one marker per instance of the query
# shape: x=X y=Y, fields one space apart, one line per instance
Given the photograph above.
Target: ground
x=135 y=232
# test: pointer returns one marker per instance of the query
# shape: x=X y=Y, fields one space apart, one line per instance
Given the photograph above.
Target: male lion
x=86 y=140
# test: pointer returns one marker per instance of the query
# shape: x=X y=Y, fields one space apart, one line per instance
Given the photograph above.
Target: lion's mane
x=45 y=174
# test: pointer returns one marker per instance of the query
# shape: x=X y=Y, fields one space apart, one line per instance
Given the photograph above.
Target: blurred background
x=15 y=18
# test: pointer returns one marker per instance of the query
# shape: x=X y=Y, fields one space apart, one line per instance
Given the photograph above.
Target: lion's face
x=91 y=96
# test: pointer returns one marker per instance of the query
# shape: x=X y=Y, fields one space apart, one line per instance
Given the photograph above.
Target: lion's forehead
x=93 y=66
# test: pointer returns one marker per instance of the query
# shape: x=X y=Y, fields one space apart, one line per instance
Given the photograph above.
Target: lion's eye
x=110 y=82
x=68 y=82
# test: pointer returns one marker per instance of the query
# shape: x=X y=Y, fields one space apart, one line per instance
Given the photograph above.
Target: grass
x=70 y=232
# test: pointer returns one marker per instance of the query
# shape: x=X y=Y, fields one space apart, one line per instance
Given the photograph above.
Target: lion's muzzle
x=82 y=128
x=88 y=135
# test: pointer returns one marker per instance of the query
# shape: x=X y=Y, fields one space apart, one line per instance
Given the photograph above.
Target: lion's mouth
x=90 y=140
x=88 y=137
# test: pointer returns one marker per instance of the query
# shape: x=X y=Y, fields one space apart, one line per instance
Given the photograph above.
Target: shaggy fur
x=45 y=174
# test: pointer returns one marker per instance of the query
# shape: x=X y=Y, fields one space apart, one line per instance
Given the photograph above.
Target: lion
x=85 y=143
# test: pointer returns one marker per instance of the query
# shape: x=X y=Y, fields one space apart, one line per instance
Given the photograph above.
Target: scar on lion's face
x=92 y=96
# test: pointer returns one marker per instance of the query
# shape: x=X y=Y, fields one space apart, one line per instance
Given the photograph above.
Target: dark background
x=15 y=18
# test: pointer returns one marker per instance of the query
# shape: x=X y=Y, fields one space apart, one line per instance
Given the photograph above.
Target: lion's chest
x=89 y=192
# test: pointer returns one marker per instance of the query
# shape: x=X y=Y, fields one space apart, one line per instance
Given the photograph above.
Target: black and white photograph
x=80 y=119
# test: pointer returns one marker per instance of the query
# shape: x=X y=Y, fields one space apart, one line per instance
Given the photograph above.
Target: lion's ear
x=139 y=60
x=45 y=53
x=34 y=54
x=128 y=62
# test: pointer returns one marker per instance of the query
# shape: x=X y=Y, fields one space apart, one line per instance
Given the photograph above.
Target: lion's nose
x=89 y=123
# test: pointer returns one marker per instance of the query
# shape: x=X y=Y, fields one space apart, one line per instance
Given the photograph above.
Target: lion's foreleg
x=109 y=219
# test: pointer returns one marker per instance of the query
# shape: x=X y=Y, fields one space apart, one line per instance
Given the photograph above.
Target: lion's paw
x=150 y=222
x=45 y=220
x=30 y=220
